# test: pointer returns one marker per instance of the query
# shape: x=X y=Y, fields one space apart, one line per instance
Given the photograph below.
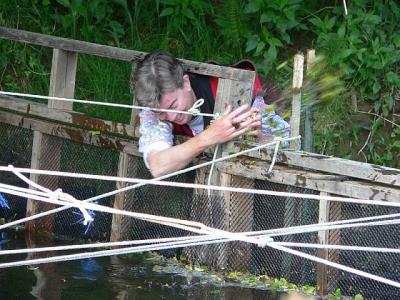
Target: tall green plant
x=365 y=45
x=274 y=24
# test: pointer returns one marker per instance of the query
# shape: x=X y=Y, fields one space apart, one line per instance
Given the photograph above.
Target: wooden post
x=238 y=214
x=323 y=238
x=291 y=205
x=120 y=224
x=228 y=212
x=327 y=277
x=296 y=99
x=308 y=121
x=45 y=150
x=335 y=214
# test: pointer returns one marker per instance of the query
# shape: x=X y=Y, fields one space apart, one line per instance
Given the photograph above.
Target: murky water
x=134 y=277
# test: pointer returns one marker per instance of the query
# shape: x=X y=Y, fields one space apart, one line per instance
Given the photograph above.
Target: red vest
x=185 y=129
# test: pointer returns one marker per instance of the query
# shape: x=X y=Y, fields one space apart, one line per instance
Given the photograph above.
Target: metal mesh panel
x=271 y=212
x=81 y=158
x=15 y=149
x=156 y=200
x=382 y=264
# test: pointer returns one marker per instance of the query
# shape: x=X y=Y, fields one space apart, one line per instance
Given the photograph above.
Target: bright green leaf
x=392 y=78
x=251 y=43
x=260 y=47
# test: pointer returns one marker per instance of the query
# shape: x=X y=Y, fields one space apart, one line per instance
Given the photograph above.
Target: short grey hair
x=158 y=73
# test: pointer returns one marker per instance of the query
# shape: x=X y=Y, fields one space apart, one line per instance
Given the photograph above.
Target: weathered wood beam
x=323 y=239
x=117 y=53
x=329 y=164
x=339 y=185
x=71 y=133
x=30 y=108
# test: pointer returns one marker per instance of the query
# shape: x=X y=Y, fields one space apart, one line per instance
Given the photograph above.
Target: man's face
x=180 y=99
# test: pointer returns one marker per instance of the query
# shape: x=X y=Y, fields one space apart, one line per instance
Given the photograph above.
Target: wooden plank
x=308 y=120
x=312 y=180
x=323 y=239
x=329 y=164
x=117 y=53
x=62 y=80
x=296 y=99
x=30 y=108
x=71 y=133
x=241 y=219
x=229 y=92
x=120 y=223
x=334 y=238
x=201 y=210
x=34 y=207
x=233 y=93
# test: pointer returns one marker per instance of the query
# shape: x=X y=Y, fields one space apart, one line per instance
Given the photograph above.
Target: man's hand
x=232 y=124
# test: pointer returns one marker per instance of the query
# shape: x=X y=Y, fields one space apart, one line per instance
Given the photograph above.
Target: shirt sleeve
x=272 y=125
x=155 y=135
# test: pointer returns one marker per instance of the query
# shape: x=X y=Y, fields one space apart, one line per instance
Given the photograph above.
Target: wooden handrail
x=117 y=53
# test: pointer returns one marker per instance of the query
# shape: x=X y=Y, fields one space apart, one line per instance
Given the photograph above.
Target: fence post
x=327 y=277
x=323 y=237
x=223 y=209
x=292 y=207
x=46 y=151
x=308 y=121
x=120 y=224
x=296 y=98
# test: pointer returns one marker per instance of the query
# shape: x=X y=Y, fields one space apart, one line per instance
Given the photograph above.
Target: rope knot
x=195 y=109
x=60 y=195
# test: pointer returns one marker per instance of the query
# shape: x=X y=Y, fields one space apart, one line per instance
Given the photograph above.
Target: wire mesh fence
x=257 y=213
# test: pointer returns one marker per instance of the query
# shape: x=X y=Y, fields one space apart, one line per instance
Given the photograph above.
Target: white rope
x=192 y=111
x=195 y=109
x=56 y=210
x=196 y=227
x=188 y=243
x=157 y=181
x=57 y=194
x=336 y=265
x=338 y=247
x=191 y=226
x=104 y=245
x=196 y=243
x=320 y=226
x=271 y=166
x=212 y=169
x=345 y=7
x=177 y=245
x=343 y=226
x=122 y=251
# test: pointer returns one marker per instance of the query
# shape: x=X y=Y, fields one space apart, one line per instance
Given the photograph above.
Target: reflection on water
x=109 y=278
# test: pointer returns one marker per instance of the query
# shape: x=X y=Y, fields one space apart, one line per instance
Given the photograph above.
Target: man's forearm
x=177 y=157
